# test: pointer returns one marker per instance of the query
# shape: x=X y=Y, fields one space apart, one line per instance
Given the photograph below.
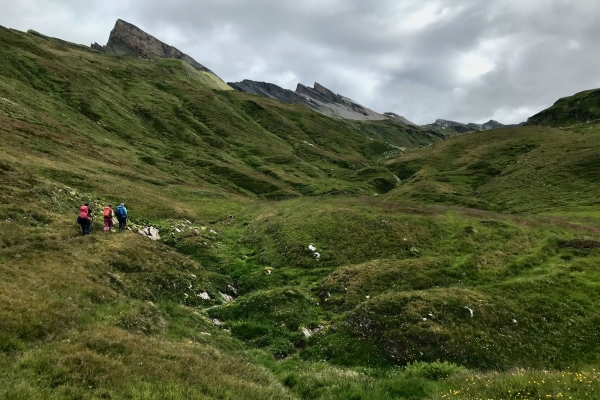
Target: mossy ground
x=239 y=187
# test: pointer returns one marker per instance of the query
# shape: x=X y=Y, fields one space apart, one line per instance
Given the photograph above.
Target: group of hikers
x=86 y=217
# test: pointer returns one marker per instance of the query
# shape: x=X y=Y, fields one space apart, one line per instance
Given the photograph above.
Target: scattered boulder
x=218 y=323
x=204 y=296
x=309 y=333
x=151 y=233
x=233 y=290
x=227 y=298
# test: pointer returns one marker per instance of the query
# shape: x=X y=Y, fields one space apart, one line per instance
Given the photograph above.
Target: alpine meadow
x=304 y=247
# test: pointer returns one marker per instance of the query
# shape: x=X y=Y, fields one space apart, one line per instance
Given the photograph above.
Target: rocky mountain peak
x=126 y=38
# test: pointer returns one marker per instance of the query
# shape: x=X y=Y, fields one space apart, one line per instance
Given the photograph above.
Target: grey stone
x=150 y=232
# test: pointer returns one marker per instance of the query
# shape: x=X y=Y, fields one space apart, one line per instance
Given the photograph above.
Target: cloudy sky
x=465 y=60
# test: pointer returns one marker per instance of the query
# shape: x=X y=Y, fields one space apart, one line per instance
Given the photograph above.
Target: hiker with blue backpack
x=121 y=213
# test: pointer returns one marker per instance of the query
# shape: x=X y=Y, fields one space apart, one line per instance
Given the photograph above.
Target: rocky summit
x=320 y=99
x=128 y=39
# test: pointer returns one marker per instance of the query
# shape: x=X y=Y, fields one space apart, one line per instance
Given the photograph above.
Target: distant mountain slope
x=320 y=99
x=399 y=118
x=151 y=120
x=452 y=128
x=272 y=91
x=337 y=105
x=581 y=108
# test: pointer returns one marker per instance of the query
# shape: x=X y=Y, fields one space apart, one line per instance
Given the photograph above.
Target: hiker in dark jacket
x=122 y=216
x=84 y=219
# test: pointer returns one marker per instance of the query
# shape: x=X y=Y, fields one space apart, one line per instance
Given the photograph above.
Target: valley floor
x=478 y=304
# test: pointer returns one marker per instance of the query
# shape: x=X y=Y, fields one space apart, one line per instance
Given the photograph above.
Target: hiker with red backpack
x=108 y=218
x=84 y=219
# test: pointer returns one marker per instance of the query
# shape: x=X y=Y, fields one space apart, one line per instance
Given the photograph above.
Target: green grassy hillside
x=466 y=269
x=162 y=123
x=531 y=169
x=581 y=108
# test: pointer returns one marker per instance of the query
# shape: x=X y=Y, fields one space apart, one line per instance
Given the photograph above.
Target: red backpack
x=108 y=212
x=84 y=212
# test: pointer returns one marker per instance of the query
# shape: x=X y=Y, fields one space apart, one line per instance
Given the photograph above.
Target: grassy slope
x=118 y=316
x=531 y=169
x=581 y=108
x=159 y=122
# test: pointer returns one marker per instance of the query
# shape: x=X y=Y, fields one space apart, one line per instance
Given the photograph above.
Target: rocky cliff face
x=272 y=91
x=319 y=98
x=126 y=38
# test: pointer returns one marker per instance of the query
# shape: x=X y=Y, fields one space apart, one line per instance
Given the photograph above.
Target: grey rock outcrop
x=128 y=39
x=337 y=105
x=272 y=91
x=319 y=98
x=150 y=232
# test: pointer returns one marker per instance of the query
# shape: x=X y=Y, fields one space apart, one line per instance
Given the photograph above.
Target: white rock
x=234 y=290
x=471 y=311
x=317 y=256
x=226 y=298
x=204 y=296
x=218 y=323
x=307 y=333
x=151 y=233
x=312 y=248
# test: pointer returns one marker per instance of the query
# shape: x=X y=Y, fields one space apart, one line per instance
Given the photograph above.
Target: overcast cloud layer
x=465 y=60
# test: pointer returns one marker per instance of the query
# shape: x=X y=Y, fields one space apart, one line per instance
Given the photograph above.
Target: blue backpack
x=121 y=213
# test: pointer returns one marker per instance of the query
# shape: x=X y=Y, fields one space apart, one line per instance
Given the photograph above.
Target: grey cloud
x=465 y=60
